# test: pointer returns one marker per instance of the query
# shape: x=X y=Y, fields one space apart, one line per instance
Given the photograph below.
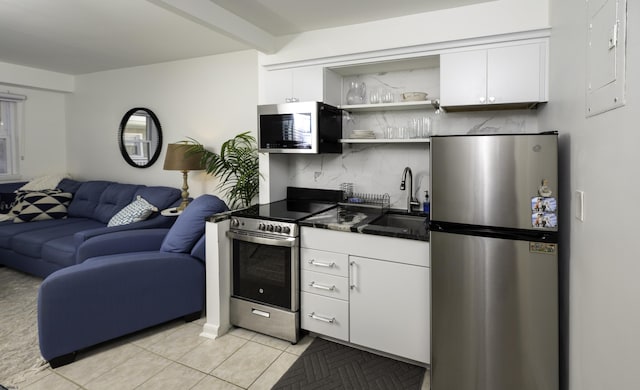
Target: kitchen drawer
x=323 y=315
x=325 y=284
x=326 y=262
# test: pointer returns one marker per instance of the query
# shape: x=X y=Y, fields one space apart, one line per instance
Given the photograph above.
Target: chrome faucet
x=411 y=200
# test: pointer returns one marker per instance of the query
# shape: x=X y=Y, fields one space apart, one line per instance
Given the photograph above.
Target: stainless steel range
x=265 y=271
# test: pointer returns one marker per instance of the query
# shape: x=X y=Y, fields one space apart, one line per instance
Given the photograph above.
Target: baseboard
x=212 y=331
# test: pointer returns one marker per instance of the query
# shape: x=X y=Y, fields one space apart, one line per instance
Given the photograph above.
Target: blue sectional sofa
x=126 y=281
x=43 y=247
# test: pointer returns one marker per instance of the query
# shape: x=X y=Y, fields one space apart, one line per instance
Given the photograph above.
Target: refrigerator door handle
x=546 y=236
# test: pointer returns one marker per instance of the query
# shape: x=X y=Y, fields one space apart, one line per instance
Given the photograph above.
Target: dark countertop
x=358 y=220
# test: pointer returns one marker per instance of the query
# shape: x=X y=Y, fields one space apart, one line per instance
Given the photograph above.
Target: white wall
x=210 y=99
x=43 y=144
x=600 y=260
x=25 y=76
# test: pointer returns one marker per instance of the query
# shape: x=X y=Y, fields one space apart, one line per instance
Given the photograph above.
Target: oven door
x=265 y=269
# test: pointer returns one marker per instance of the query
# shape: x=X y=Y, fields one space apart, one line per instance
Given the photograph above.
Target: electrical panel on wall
x=606 y=50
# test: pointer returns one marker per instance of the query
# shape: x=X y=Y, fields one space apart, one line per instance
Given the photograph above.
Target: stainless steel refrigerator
x=494 y=259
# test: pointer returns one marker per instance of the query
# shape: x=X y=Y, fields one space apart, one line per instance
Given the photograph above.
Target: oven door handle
x=274 y=241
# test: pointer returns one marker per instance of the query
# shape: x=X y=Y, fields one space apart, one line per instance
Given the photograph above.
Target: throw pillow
x=136 y=211
x=189 y=226
x=18 y=204
x=40 y=206
x=44 y=182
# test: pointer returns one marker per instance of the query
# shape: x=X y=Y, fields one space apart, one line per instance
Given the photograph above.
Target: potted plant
x=236 y=166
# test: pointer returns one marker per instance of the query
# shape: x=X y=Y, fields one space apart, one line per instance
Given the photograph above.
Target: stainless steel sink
x=406 y=223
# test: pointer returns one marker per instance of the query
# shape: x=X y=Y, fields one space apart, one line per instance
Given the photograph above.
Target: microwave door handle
x=273 y=241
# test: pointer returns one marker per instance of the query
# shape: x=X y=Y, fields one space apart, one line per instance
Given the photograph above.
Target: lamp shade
x=179 y=158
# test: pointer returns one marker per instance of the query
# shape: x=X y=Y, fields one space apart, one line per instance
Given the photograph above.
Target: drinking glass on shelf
x=389 y=132
x=416 y=128
x=426 y=127
x=386 y=97
x=402 y=132
x=374 y=96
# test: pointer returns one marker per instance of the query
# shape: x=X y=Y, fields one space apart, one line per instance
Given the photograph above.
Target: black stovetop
x=300 y=203
x=285 y=210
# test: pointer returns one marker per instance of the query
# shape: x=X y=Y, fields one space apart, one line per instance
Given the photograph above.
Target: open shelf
x=384 y=140
x=416 y=105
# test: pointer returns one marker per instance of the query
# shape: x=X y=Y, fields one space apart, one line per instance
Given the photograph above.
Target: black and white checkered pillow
x=41 y=205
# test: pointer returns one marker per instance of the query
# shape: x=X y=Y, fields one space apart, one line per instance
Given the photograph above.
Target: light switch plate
x=580 y=205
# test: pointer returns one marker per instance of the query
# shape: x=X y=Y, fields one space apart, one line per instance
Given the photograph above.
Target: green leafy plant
x=236 y=166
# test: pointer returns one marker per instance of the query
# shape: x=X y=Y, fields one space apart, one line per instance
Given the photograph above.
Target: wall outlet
x=579 y=202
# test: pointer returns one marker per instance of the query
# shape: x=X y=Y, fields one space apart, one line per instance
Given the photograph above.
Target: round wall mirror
x=140 y=137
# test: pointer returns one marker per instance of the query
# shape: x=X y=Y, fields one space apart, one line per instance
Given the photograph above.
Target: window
x=10 y=107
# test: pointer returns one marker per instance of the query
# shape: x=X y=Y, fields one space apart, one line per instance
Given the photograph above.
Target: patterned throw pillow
x=17 y=204
x=136 y=211
x=41 y=205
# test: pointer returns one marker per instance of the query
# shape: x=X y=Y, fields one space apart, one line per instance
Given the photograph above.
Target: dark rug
x=328 y=365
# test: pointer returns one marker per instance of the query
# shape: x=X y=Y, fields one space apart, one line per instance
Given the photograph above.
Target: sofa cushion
x=69 y=185
x=198 y=250
x=160 y=196
x=113 y=199
x=40 y=206
x=60 y=251
x=136 y=211
x=86 y=199
x=9 y=229
x=30 y=243
x=189 y=226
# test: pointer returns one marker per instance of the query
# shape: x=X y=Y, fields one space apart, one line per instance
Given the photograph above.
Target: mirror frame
x=121 y=144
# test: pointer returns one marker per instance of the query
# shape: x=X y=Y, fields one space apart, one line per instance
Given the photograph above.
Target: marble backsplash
x=377 y=168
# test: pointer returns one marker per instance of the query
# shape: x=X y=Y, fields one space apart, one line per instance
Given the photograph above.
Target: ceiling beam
x=216 y=18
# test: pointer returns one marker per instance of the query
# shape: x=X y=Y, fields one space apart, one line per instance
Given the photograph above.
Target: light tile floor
x=174 y=356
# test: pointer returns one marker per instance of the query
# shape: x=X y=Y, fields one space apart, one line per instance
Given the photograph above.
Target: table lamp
x=179 y=158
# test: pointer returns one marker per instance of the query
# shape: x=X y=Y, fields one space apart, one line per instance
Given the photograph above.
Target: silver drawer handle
x=321 y=286
x=323 y=319
x=261 y=313
x=319 y=264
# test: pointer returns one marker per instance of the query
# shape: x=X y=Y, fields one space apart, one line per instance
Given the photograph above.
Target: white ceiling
x=85 y=36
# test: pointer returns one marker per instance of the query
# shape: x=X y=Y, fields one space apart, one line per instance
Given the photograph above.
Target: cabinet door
x=463 y=78
x=304 y=84
x=308 y=84
x=514 y=74
x=278 y=86
x=390 y=307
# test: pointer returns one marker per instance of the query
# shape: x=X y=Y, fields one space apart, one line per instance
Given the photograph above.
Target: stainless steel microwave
x=301 y=127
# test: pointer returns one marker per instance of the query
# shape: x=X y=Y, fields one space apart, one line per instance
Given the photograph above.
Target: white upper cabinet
x=499 y=75
x=295 y=85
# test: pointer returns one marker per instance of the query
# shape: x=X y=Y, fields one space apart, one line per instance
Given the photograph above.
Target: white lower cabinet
x=389 y=307
x=381 y=303
x=324 y=315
